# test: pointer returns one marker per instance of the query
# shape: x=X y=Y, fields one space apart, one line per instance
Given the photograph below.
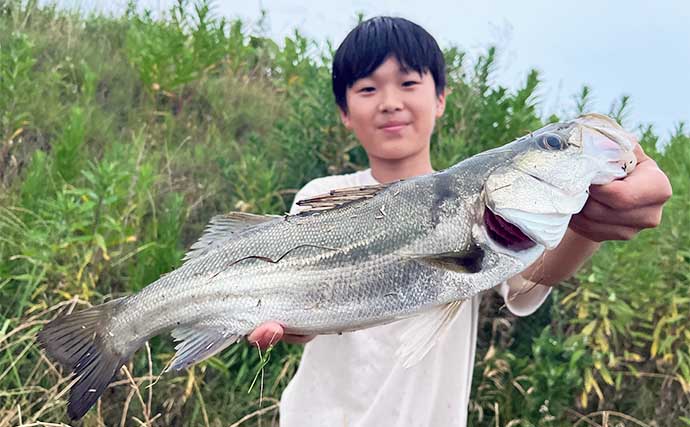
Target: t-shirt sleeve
x=522 y=296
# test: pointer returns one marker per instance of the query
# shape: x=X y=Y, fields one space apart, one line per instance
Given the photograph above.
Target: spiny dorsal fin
x=337 y=198
x=221 y=227
x=425 y=331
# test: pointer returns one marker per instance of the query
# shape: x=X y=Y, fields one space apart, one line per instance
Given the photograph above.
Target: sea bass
x=356 y=257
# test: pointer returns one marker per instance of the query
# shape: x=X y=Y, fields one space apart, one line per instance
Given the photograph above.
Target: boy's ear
x=441 y=103
x=344 y=117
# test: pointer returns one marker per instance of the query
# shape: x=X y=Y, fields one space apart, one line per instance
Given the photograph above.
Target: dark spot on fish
x=472 y=260
x=443 y=190
x=469 y=261
x=258 y=303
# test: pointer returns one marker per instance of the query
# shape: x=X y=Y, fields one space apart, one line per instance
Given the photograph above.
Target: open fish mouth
x=506 y=234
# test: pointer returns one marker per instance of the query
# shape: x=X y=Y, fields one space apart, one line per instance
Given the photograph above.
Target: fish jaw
x=609 y=145
x=540 y=211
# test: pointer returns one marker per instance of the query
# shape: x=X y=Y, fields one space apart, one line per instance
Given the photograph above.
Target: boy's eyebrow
x=408 y=70
x=359 y=80
x=402 y=69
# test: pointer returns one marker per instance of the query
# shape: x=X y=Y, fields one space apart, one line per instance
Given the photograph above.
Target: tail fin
x=80 y=343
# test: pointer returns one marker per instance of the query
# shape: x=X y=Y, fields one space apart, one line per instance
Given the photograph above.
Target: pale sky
x=634 y=47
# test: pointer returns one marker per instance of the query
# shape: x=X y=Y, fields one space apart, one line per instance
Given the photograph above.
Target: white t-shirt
x=355 y=380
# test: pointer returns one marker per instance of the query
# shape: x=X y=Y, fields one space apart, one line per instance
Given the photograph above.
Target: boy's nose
x=390 y=103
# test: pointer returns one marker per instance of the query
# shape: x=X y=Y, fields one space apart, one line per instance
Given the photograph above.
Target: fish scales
x=334 y=257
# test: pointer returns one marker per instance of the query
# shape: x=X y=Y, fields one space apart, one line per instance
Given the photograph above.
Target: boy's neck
x=385 y=171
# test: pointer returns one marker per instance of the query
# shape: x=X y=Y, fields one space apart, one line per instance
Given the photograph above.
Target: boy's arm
x=561 y=262
x=526 y=292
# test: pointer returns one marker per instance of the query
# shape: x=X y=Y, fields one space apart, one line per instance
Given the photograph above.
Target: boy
x=389 y=84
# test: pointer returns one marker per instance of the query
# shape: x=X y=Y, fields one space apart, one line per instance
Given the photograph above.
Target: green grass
x=119 y=139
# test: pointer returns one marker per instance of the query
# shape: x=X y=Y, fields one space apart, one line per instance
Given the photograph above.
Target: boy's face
x=393 y=111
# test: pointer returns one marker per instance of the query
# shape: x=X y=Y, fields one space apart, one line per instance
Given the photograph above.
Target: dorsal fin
x=337 y=198
x=223 y=226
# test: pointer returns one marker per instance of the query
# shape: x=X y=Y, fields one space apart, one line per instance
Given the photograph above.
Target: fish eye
x=552 y=142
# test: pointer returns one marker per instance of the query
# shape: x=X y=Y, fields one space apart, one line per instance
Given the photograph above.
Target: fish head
x=531 y=197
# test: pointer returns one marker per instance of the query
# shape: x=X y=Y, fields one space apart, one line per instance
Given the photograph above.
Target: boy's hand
x=269 y=333
x=621 y=209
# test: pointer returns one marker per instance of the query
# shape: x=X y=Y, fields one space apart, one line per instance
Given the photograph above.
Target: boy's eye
x=367 y=89
x=410 y=83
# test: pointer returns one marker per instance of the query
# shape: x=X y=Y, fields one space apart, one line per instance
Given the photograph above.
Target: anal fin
x=425 y=331
x=199 y=342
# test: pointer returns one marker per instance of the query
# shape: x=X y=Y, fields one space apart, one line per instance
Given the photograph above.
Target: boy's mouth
x=393 y=126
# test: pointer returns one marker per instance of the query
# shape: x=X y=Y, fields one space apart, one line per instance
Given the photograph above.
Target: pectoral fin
x=467 y=261
x=425 y=331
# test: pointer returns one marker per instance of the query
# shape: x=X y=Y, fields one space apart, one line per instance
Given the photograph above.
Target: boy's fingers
x=646 y=186
x=598 y=232
x=266 y=335
x=270 y=333
x=645 y=217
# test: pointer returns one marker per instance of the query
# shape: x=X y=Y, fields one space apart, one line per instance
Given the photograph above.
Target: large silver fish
x=357 y=258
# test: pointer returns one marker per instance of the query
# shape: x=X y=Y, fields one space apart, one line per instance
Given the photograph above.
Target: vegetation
x=120 y=137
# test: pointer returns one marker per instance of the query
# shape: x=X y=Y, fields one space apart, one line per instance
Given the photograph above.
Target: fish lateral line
x=276 y=261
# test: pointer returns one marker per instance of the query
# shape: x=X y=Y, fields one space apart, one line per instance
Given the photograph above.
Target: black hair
x=371 y=42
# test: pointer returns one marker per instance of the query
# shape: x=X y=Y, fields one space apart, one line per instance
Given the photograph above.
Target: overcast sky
x=635 y=47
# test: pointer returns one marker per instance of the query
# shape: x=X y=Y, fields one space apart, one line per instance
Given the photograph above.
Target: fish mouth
x=505 y=233
x=606 y=142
